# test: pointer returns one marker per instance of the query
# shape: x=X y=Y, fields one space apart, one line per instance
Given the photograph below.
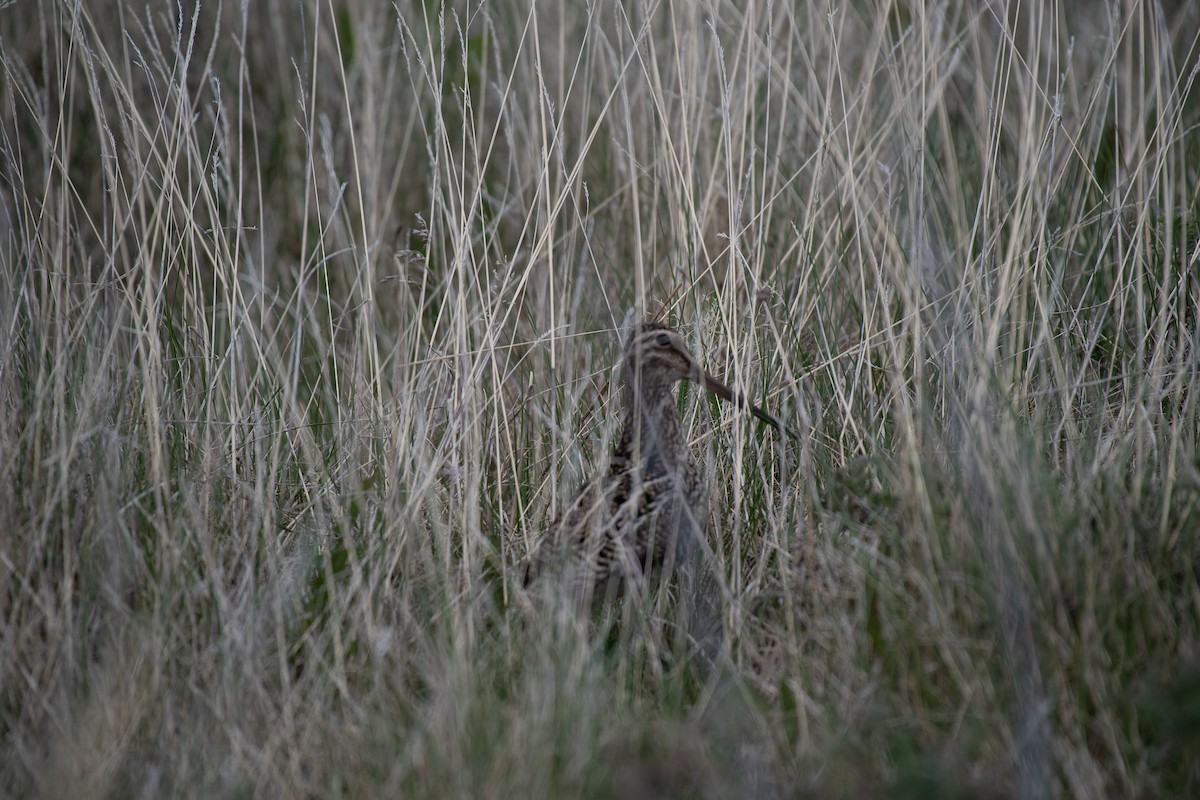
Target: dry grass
x=308 y=323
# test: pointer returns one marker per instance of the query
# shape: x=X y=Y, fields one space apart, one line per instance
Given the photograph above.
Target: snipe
x=646 y=512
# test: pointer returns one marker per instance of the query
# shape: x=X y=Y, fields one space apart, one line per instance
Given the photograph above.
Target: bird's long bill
x=725 y=393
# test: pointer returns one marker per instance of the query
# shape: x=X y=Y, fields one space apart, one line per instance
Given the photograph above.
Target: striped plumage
x=647 y=510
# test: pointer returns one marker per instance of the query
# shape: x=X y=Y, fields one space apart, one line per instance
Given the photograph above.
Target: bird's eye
x=664 y=340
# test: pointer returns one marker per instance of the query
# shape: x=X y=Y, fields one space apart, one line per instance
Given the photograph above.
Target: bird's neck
x=652 y=432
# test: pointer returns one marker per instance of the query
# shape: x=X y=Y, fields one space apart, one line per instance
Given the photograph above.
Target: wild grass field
x=310 y=322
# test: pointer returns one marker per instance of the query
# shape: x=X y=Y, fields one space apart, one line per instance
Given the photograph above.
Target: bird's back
x=624 y=525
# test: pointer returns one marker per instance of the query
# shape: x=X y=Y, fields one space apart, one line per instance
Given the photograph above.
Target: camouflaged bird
x=646 y=512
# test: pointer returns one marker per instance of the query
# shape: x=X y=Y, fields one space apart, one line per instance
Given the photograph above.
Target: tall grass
x=308 y=325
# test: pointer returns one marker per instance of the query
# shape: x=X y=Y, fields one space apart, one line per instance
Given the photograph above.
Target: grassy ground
x=308 y=324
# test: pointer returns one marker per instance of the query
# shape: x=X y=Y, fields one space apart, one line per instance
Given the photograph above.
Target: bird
x=644 y=514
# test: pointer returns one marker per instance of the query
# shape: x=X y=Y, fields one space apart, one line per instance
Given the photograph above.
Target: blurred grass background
x=308 y=325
